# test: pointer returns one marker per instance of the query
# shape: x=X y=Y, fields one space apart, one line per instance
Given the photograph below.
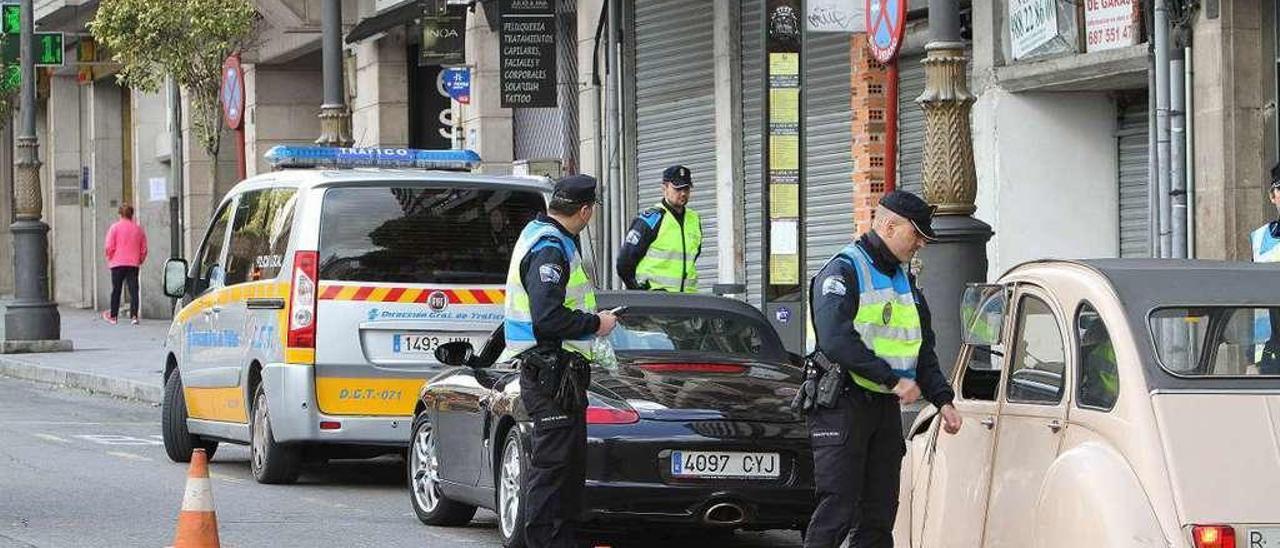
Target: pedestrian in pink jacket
x=126 y=249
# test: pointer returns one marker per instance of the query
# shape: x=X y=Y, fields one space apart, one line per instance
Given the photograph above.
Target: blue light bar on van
x=282 y=156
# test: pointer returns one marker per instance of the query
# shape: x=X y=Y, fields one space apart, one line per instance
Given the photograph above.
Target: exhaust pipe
x=724 y=514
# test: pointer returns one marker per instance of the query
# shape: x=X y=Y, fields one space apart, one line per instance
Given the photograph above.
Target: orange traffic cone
x=197 y=522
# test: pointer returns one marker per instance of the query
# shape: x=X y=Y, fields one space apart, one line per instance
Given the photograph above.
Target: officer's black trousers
x=556 y=475
x=857 y=458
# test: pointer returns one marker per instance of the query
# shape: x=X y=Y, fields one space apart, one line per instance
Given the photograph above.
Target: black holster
x=561 y=375
x=824 y=382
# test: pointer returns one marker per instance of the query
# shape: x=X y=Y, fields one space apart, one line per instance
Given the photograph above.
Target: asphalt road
x=83 y=470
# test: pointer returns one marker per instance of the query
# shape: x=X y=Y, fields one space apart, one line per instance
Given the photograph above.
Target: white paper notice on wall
x=159 y=189
x=784 y=237
x=1110 y=24
x=836 y=16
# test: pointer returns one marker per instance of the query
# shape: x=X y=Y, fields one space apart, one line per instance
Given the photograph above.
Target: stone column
x=959 y=256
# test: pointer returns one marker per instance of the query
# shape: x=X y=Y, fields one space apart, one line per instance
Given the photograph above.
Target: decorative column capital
x=335 y=126
x=949 y=178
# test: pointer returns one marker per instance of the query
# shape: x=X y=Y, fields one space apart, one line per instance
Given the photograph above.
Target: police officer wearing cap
x=661 y=250
x=1265 y=243
x=872 y=321
x=549 y=325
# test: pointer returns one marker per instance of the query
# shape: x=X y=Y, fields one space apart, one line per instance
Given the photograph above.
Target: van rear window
x=422 y=235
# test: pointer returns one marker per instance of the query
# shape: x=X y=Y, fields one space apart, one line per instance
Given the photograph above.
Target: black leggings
x=119 y=276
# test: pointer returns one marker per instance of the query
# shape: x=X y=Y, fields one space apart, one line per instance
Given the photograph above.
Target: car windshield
x=1220 y=341
x=708 y=331
x=422 y=235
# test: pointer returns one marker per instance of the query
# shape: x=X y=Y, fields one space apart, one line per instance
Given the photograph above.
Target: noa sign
x=1110 y=24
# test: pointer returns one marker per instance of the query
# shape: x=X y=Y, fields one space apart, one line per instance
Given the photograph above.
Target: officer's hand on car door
x=907 y=391
x=951 y=419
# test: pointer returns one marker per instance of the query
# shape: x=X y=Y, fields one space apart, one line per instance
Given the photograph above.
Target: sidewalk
x=121 y=360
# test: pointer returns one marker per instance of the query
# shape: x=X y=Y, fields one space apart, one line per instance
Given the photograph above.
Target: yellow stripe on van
x=410 y=295
x=299 y=356
x=496 y=296
x=216 y=404
x=466 y=297
x=347 y=293
x=351 y=396
x=378 y=294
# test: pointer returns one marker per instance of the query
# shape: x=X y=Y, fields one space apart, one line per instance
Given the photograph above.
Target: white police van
x=309 y=314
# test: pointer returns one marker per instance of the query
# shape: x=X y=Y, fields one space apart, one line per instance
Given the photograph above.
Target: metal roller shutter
x=675 y=108
x=752 y=117
x=910 y=124
x=1131 y=144
x=553 y=132
x=828 y=168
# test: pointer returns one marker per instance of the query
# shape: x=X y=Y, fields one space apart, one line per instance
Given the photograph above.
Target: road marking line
x=129 y=456
x=51 y=437
x=224 y=477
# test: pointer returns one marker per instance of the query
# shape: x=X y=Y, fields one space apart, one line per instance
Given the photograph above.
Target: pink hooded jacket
x=126 y=244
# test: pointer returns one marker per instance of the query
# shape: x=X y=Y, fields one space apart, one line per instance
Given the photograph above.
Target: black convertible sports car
x=692 y=428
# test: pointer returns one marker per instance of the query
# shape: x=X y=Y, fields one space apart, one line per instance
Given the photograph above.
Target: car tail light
x=1213 y=536
x=603 y=411
x=330 y=425
x=302 y=302
x=726 y=368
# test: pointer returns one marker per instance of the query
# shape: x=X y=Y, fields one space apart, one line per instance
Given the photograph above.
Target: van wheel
x=270 y=462
x=511 y=473
x=179 y=443
x=431 y=507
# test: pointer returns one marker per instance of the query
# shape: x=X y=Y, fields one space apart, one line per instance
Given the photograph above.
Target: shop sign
x=443 y=39
x=1032 y=23
x=527 y=56
x=457 y=83
x=1110 y=24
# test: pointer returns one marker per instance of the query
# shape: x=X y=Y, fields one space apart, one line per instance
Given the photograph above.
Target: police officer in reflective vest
x=661 y=249
x=551 y=321
x=1265 y=243
x=873 y=322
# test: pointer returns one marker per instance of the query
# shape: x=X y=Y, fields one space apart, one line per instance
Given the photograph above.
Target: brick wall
x=867 y=89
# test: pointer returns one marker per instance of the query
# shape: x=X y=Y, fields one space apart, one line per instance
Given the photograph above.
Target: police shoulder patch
x=651 y=216
x=550 y=273
x=633 y=237
x=834 y=285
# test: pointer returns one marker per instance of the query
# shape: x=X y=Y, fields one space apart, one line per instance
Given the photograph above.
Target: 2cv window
x=1098 y=383
x=1039 y=361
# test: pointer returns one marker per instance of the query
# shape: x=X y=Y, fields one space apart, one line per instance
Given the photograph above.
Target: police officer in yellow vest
x=661 y=249
x=873 y=322
x=550 y=323
x=1265 y=243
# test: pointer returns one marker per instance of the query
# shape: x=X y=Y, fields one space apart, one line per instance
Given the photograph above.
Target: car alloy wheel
x=425 y=469
x=509 y=488
x=258 y=445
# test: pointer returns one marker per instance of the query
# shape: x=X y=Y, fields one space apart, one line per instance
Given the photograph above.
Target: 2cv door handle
x=1055 y=425
x=989 y=422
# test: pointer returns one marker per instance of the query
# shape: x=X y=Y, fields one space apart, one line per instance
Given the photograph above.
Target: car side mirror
x=982 y=311
x=175 y=278
x=456 y=353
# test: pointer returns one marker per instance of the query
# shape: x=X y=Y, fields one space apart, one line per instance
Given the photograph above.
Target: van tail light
x=602 y=411
x=1213 y=536
x=302 y=302
x=724 y=368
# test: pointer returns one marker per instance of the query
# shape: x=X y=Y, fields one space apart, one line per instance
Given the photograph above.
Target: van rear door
x=402 y=270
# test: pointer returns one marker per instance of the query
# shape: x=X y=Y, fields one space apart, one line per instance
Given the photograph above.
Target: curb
x=103 y=384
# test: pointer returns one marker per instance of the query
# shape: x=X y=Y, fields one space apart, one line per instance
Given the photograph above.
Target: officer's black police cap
x=575 y=189
x=912 y=208
x=678 y=176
